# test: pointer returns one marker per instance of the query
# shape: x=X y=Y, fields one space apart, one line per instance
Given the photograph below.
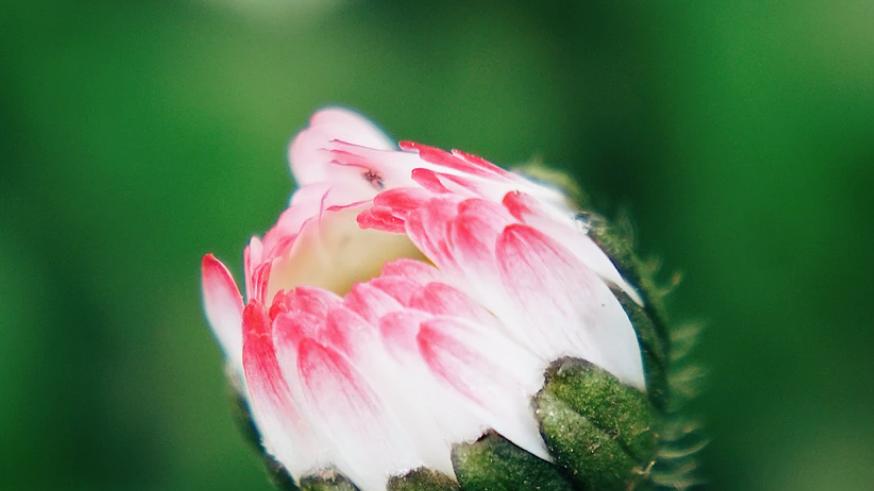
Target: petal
x=310 y=162
x=474 y=231
x=400 y=288
x=284 y=433
x=367 y=444
x=427 y=227
x=309 y=300
x=252 y=258
x=398 y=330
x=429 y=180
x=496 y=377
x=444 y=300
x=561 y=226
x=370 y=302
x=380 y=218
x=224 y=307
x=457 y=160
x=417 y=271
x=566 y=303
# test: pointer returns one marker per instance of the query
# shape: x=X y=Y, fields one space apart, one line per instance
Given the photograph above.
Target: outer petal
x=337 y=371
x=284 y=433
x=459 y=368
x=224 y=307
x=574 y=305
x=563 y=228
x=545 y=297
x=496 y=377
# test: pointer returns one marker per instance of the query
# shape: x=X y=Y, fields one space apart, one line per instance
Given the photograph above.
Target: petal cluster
x=409 y=299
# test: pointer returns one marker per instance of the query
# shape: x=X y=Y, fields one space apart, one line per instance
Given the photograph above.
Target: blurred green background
x=138 y=135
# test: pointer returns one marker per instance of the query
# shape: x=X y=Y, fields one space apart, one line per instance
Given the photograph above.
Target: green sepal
x=422 y=479
x=600 y=430
x=493 y=463
x=654 y=350
x=623 y=413
x=326 y=480
x=672 y=378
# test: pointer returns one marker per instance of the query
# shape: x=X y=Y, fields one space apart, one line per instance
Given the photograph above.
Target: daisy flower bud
x=422 y=319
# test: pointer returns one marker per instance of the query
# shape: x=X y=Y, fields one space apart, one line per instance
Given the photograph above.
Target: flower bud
x=425 y=320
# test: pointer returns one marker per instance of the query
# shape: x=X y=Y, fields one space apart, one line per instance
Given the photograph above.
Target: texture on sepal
x=672 y=378
x=680 y=435
x=422 y=479
x=326 y=480
x=492 y=463
x=621 y=412
x=653 y=348
x=595 y=427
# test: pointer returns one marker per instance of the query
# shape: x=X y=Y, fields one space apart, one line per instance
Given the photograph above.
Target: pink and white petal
x=566 y=303
x=284 y=433
x=562 y=227
x=260 y=281
x=347 y=332
x=408 y=403
x=428 y=179
x=481 y=162
x=495 y=377
x=370 y=302
x=369 y=440
x=380 y=218
x=441 y=299
x=224 y=308
x=317 y=314
x=306 y=202
x=455 y=161
x=427 y=228
x=459 y=237
x=401 y=201
x=310 y=162
x=379 y=169
x=398 y=331
x=474 y=231
x=417 y=271
x=314 y=301
x=434 y=413
x=297 y=325
x=461 y=185
x=400 y=288
x=252 y=258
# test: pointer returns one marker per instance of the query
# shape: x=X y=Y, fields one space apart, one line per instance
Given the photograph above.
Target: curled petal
x=310 y=162
x=224 y=307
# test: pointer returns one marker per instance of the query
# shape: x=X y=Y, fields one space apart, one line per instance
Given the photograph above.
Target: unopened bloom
x=410 y=299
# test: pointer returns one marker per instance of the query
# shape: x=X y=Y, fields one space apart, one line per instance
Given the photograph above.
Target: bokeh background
x=136 y=136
